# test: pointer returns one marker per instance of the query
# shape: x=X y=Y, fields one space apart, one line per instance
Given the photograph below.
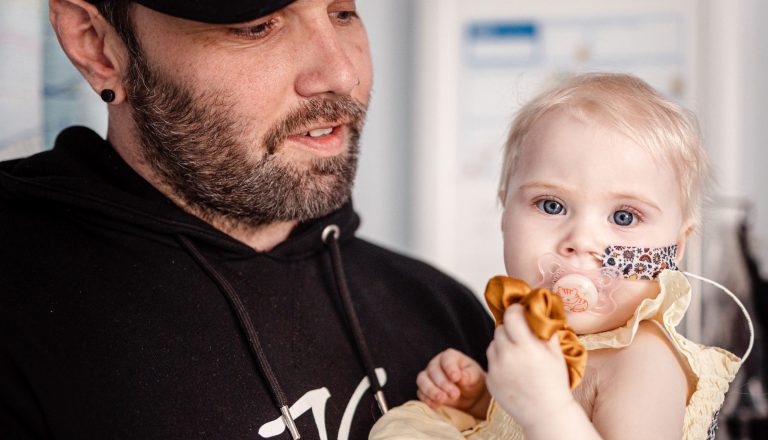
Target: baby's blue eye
x=551 y=207
x=623 y=218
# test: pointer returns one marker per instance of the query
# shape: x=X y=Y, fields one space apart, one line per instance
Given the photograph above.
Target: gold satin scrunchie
x=545 y=316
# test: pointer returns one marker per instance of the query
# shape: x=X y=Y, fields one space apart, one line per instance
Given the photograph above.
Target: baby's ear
x=682 y=239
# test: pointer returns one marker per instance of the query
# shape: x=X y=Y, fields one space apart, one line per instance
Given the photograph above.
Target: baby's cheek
x=522 y=268
x=632 y=292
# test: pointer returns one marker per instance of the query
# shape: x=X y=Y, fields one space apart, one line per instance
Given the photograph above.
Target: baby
x=600 y=187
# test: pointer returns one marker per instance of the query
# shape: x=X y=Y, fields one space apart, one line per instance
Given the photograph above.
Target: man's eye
x=623 y=218
x=254 y=32
x=344 y=17
x=551 y=207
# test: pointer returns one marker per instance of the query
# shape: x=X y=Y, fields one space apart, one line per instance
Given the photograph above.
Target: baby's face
x=578 y=188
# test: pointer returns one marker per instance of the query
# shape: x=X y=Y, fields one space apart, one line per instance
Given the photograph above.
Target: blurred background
x=449 y=76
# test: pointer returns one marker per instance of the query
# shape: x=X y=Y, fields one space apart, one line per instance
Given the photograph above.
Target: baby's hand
x=456 y=380
x=528 y=377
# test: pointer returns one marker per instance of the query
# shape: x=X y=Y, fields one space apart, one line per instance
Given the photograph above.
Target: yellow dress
x=711 y=369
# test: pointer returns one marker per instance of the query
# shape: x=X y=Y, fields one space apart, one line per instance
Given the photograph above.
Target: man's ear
x=682 y=240
x=91 y=44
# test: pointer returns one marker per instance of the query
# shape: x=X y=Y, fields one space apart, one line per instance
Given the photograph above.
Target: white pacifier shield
x=577 y=292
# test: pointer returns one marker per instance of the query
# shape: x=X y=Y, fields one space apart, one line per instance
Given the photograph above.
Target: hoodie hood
x=85 y=173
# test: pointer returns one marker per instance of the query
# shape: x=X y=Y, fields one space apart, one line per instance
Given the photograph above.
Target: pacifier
x=582 y=290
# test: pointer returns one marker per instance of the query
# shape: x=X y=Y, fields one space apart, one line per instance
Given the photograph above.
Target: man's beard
x=199 y=150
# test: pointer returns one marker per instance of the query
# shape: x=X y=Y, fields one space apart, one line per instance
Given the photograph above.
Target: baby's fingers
x=426 y=399
x=452 y=362
x=516 y=327
x=429 y=390
x=554 y=347
x=471 y=377
x=554 y=344
x=439 y=378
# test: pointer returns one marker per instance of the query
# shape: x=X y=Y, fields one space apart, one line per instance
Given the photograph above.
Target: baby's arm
x=529 y=379
x=641 y=391
x=650 y=382
x=456 y=380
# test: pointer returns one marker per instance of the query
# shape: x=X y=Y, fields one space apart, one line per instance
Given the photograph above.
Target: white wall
x=734 y=108
x=755 y=182
x=20 y=77
x=382 y=192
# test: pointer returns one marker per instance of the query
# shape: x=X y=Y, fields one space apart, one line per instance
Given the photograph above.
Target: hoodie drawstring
x=331 y=239
x=247 y=326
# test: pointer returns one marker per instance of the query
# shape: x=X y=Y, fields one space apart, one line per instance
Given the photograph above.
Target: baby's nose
x=581 y=247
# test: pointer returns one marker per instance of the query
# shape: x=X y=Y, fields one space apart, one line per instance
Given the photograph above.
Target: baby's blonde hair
x=628 y=104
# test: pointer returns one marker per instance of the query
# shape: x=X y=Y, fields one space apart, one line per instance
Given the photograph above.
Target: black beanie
x=214 y=11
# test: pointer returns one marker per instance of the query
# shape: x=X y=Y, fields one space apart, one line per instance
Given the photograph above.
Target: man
x=197 y=274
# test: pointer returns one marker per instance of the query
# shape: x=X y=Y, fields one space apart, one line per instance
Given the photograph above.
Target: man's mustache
x=338 y=110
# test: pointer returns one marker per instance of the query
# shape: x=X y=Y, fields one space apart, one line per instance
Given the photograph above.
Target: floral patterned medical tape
x=640 y=263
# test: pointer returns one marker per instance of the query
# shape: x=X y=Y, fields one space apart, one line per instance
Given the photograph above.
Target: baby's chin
x=628 y=298
x=585 y=323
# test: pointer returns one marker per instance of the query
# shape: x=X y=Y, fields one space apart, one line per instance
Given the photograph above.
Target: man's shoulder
x=18 y=217
x=394 y=263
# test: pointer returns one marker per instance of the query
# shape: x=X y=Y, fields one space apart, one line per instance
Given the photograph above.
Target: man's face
x=578 y=188
x=256 y=122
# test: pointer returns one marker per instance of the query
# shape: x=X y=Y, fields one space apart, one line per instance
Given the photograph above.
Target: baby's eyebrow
x=540 y=185
x=637 y=197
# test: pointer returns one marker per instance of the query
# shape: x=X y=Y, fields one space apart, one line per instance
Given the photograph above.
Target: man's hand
x=456 y=380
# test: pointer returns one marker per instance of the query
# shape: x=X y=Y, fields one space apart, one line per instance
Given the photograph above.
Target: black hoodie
x=115 y=320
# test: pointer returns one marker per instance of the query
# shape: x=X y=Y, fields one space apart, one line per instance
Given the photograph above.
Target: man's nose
x=326 y=67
